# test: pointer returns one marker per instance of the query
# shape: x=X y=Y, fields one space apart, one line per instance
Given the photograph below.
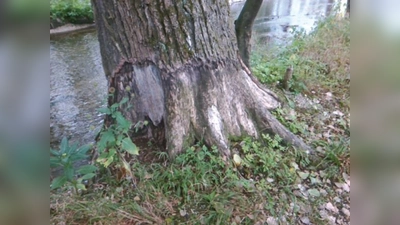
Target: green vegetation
x=321 y=59
x=65 y=157
x=71 y=11
x=114 y=142
x=266 y=181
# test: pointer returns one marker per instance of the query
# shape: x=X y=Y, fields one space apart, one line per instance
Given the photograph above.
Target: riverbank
x=274 y=184
x=64 y=12
x=71 y=28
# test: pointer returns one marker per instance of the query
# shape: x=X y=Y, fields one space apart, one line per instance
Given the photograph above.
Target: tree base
x=214 y=101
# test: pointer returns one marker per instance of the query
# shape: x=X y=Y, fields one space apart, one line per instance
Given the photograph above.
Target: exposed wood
x=287 y=77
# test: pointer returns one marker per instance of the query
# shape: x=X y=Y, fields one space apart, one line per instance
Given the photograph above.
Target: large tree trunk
x=177 y=62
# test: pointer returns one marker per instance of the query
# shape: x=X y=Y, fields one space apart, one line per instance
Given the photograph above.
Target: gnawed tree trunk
x=243 y=28
x=177 y=62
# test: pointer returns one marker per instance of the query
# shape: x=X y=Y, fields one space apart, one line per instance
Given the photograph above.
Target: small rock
x=328 y=96
x=332 y=220
x=297 y=193
x=339 y=191
x=331 y=207
x=271 y=221
x=337 y=199
x=237 y=219
x=323 y=192
x=346 y=212
x=339 y=185
x=323 y=213
x=182 y=212
x=294 y=207
x=305 y=220
x=136 y=198
x=337 y=112
x=346 y=187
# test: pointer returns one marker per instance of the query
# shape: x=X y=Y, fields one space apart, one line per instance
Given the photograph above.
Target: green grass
x=198 y=187
x=321 y=60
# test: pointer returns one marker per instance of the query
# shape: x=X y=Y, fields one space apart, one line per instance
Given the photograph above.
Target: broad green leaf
x=105 y=110
x=81 y=187
x=87 y=169
x=55 y=152
x=112 y=152
x=58 y=182
x=88 y=176
x=55 y=162
x=122 y=122
x=129 y=146
x=83 y=149
x=114 y=106
x=64 y=145
x=124 y=100
x=78 y=156
x=106 y=138
x=69 y=172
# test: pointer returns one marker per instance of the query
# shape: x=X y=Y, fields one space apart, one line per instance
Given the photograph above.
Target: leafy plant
x=114 y=141
x=267 y=160
x=71 y=11
x=65 y=157
x=289 y=121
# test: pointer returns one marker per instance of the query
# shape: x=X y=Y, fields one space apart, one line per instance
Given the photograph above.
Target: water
x=277 y=19
x=78 y=85
x=77 y=88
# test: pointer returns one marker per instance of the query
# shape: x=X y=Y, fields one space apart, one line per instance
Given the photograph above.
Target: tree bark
x=177 y=63
x=243 y=28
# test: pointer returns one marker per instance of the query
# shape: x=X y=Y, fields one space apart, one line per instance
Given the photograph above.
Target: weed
x=65 y=157
x=114 y=141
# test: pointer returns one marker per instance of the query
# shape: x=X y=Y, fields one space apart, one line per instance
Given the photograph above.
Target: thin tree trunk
x=243 y=28
x=177 y=63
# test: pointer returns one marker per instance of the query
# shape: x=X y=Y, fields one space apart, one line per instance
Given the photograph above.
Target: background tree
x=177 y=63
x=243 y=28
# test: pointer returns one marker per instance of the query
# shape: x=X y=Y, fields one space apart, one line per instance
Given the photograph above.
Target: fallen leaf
x=237 y=160
x=305 y=220
x=303 y=175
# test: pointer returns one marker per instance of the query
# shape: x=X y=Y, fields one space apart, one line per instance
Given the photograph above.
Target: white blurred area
x=385 y=13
